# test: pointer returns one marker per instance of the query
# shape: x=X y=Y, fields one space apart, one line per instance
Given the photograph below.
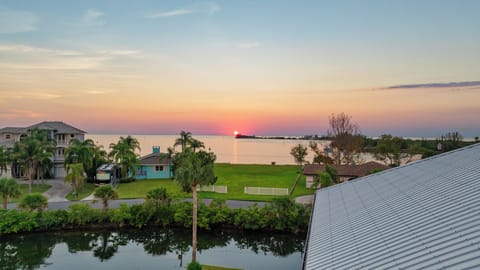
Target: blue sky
x=198 y=64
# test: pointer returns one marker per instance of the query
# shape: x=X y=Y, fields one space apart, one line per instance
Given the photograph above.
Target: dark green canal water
x=150 y=249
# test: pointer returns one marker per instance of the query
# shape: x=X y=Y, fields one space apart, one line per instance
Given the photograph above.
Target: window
x=72 y=135
x=158 y=168
x=7 y=136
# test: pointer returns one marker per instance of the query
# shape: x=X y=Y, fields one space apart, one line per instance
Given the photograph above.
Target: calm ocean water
x=227 y=148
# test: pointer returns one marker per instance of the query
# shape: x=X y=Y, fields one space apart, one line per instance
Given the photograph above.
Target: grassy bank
x=234 y=176
x=84 y=192
x=40 y=188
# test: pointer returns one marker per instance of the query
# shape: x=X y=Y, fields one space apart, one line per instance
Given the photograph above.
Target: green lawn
x=84 y=192
x=35 y=189
x=139 y=188
x=234 y=176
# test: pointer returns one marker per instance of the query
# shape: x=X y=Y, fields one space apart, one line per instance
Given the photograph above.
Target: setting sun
x=235 y=133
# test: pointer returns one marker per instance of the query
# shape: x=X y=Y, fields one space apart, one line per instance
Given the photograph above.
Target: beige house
x=61 y=132
x=345 y=172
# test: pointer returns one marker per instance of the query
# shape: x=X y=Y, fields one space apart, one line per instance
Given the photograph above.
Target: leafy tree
x=124 y=154
x=184 y=140
x=319 y=156
x=346 y=140
x=196 y=144
x=299 y=152
x=34 y=202
x=87 y=153
x=75 y=176
x=332 y=172
x=323 y=180
x=194 y=168
x=389 y=149
x=9 y=188
x=105 y=194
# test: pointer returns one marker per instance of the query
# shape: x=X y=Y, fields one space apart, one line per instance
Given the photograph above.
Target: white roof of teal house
x=424 y=215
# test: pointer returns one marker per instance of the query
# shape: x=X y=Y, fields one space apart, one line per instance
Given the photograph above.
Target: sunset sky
x=259 y=67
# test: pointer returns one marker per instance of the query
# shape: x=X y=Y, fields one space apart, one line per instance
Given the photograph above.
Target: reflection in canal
x=150 y=249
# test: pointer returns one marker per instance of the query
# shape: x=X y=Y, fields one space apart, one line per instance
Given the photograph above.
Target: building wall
x=149 y=172
x=310 y=179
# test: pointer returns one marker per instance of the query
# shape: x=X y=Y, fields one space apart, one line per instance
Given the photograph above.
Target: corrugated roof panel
x=425 y=215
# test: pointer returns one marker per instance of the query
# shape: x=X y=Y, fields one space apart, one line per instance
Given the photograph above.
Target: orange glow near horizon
x=235 y=133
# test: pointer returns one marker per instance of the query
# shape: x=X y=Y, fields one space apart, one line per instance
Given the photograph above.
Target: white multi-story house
x=59 y=131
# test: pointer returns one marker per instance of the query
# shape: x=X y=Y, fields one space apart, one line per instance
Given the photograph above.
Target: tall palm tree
x=76 y=176
x=194 y=168
x=124 y=154
x=32 y=150
x=9 y=188
x=184 y=140
x=196 y=144
x=80 y=152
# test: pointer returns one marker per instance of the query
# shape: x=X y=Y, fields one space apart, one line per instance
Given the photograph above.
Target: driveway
x=57 y=192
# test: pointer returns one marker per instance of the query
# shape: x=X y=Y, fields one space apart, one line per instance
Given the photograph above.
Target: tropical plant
x=388 y=149
x=299 y=152
x=194 y=168
x=124 y=154
x=194 y=266
x=322 y=180
x=184 y=140
x=32 y=151
x=196 y=144
x=9 y=188
x=34 y=202
x=4 y=160
x=105 y=194
x=157 y=197
x=75 y=176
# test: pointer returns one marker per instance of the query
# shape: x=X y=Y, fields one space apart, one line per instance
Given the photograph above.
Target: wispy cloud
x=52 y=59
x=10 y=114
x=170 y=13
x=207 y=8
x=93 y=17
x=12 y=21
x=436 y=85
x=248 y=45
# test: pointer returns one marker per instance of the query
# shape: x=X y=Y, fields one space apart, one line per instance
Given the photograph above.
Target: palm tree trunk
x=194 y=224
x=4 y=202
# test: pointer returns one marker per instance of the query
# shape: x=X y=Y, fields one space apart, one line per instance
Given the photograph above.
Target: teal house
x=154 y=166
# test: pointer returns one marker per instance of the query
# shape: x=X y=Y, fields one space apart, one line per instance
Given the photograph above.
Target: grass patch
x=301 y=188
x=86 y=190
x=35 y=189
x=139 y=188
x=213 y=267
x=234 y=176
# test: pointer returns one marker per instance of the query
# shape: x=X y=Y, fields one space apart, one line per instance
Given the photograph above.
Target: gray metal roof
x=425 y=215
x=13 y=130
x=58 y=126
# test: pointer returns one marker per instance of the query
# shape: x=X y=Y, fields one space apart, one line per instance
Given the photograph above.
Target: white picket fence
x=213 y=188
x=265 y=191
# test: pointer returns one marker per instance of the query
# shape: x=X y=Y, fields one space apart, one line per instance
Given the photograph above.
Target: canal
x=150 y=249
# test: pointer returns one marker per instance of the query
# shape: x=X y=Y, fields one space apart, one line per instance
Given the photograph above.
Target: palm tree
x=194 y=168
x=80 y=152
x=4 y=160
x=124 y=154
x=105 y=193
x=32 y=150
x=196 y=144
x=9 y=188
x=76 y=176
x=184 y=140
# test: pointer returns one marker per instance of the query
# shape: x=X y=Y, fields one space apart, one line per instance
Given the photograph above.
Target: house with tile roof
x=423 y=215
x=154 y=166
x=345 y=172
x=59 y=131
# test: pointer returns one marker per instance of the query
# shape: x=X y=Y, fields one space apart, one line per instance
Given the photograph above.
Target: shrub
x=81 y=214
x=127 y=180
x=157 y=197
x=14 y=221
x=34 y=202
x=183 y=214
x=194 y=266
